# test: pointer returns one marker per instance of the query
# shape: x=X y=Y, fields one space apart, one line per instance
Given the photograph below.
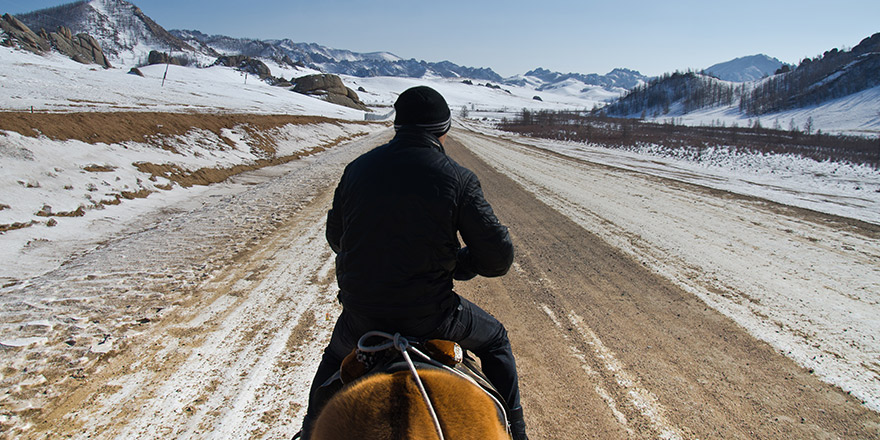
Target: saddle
x=442 y=354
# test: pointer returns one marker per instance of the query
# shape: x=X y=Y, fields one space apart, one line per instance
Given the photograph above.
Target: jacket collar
x=418 y=137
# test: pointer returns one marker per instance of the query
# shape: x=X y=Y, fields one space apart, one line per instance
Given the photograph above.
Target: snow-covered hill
x=745 y=69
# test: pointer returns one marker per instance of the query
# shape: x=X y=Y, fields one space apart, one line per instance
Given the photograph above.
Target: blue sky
x=513 y=36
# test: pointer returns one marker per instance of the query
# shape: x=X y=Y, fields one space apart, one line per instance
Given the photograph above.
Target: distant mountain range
x=329 y=60
x=127 y=37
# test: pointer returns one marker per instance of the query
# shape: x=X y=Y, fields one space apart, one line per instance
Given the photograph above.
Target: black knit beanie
x=425 y=108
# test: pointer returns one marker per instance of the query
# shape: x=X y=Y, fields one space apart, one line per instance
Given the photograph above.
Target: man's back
x=394 y=225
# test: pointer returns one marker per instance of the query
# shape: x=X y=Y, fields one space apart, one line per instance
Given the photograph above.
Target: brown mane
x=389 y=406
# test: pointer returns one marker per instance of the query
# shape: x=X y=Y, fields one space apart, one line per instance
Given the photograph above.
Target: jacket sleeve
x=334 y=222
x=488 y=249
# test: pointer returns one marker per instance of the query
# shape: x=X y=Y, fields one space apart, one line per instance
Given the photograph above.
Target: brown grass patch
x=207 y=176
x=79 y=212
x=119 y=127
x=99 y=168
x=17 y=225
x=131 y=195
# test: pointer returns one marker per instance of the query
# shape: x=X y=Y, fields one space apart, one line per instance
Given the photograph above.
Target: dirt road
x=607 y=348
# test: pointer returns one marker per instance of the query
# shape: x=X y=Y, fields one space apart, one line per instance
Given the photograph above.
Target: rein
x=402 y=344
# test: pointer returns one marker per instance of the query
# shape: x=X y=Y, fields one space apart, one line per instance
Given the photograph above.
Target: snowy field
x=38 y=172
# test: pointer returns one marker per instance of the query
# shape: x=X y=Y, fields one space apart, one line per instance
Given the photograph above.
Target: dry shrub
x=99 y=168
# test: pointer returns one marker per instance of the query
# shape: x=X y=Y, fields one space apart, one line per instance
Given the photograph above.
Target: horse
x=392 y=406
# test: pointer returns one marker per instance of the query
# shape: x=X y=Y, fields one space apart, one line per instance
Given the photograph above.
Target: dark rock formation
x=157 y=57
x=18 y=34
x=82 y=48
x=245 y=64
x=330 y=88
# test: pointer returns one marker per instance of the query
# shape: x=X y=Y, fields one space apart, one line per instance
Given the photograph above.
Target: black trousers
x=472 y=327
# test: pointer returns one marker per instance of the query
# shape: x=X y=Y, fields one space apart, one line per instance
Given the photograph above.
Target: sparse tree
x=808 y=126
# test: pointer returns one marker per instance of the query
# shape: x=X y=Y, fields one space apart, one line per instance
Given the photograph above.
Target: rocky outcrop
x=157 y=57
x=82 y=48
x=245 y=64
x=18 y=34
x=329 y=88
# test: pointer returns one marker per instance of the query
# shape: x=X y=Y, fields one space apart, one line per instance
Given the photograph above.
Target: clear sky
x=515 y=36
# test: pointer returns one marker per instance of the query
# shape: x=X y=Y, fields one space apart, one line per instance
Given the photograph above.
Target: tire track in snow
x=234 y=355
x=226 y=383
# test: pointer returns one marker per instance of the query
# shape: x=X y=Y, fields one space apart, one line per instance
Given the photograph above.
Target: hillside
x=814 y=81
x=832 y=92
x=676 y=93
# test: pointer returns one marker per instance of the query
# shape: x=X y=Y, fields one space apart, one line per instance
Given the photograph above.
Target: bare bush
x=633 y=133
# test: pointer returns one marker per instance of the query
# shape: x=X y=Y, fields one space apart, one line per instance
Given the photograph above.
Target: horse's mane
x=389 y=406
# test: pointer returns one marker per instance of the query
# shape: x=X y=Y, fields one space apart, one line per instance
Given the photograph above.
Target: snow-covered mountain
x=593 y=87
x=745 y=69
x=125 y=33
x=127 y=36
x=328 y=60
x=616 y=79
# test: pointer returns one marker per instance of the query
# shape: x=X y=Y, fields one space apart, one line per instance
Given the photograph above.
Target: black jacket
x=394 y=223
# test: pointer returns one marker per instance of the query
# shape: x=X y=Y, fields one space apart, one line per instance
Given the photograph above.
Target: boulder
x=330 y=88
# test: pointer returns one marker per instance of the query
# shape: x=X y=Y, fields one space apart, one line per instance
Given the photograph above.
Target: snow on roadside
x=844 y=189
x=809 y=288
x=56 y=83
x=153 y=270
x=69 y=190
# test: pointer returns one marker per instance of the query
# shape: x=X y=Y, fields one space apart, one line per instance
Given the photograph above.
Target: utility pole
x=167 y=62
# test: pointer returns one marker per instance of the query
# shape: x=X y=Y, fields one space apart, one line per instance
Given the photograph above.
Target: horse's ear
x=446 y=352
x=351 y=368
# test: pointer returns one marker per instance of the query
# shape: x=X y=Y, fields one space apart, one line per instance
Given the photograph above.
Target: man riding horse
x=394 y=222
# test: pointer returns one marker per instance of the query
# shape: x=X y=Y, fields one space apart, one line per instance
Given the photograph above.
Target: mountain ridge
x=745 y=69
x=127 y=36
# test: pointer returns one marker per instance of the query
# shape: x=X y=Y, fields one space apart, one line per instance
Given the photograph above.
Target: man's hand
x=462 y=271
